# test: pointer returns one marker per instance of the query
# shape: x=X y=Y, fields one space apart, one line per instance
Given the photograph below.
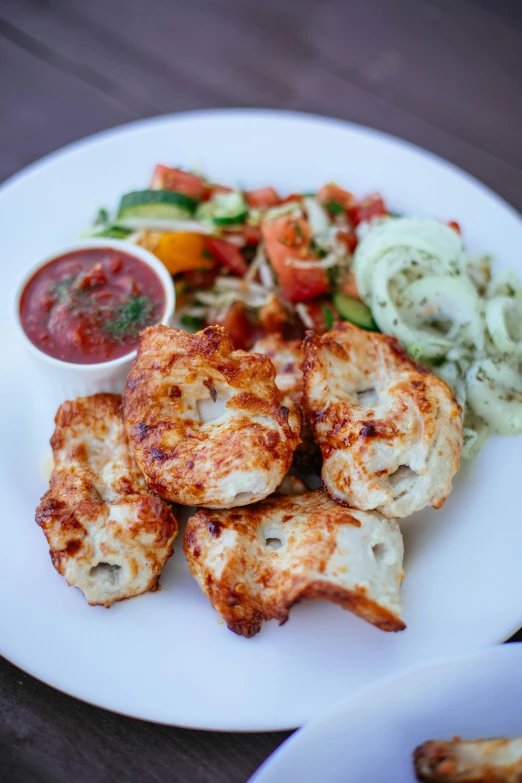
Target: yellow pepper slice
x=182 y=251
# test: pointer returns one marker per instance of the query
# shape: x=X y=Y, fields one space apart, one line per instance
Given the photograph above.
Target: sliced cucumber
x=355 y=311
x=183 y=225
x=224 y=209
x=156 y=204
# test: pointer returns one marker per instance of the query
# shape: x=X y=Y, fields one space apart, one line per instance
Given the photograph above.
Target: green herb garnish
x=298 y=231
x=328 y=317
x=192 y=322
x=102 y=217
x=129 y=318
x=318 y=250
x=114 y=231
x=334 y=208
x=61 y=288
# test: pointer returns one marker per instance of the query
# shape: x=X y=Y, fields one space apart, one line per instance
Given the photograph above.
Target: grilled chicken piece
x=107 y=534
x=206 y=422
x=287 y=357
x=255 y=563
x=390 y=431
x=461 y=761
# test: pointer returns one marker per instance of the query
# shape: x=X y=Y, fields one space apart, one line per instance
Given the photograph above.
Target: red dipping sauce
x=89 y=306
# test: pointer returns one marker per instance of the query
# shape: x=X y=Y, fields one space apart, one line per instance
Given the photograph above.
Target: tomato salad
x=253 y=261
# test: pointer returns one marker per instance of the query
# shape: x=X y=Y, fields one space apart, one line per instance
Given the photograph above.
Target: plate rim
x=20 y=178
x=128 y=127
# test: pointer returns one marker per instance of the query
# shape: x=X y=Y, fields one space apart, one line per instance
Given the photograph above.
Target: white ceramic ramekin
x=67 y=379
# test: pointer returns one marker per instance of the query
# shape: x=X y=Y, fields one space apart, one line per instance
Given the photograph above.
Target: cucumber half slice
x=355 y=311
x=156 y=204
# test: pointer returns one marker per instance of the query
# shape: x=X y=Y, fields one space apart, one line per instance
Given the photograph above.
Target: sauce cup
x=70 y=379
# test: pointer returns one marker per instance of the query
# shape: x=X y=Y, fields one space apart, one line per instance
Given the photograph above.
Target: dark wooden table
x=445 y=74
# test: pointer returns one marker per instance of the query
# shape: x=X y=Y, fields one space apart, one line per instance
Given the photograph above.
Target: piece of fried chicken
x=107 y=534
x=255 y=563
x=287 y=357
x=206 y=422
x=478 y=761
x=390 y=431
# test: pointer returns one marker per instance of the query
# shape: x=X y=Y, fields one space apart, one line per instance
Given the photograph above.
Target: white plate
x=165 y=656
x=369 y=737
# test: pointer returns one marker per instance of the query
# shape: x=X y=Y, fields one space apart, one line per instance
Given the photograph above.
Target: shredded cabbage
x=317 y=216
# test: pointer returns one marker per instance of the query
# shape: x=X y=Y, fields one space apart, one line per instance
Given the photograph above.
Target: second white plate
x=371 y=736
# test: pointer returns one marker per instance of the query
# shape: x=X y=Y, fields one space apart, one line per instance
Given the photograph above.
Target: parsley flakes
x=129 y=318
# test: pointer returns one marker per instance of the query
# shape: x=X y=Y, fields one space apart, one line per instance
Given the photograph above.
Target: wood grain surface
x=445 y=74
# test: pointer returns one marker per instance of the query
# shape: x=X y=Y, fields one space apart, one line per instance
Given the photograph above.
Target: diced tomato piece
x=190 y=185
x=349 y=238
x=262 y=198
x=252 y=234
x=244 y=235
x=369 y=207
x=349 y=286
x=242 y=331
x=292 y=197
x=455 y=226
x=211 y=189
x=274 y=316
x=333 y=194
x=317 y=314
x=201 y=279
x=227 y=254
x=288 y=238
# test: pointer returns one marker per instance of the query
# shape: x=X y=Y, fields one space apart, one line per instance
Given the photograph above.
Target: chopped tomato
x=244 y=235
x=333 y=194
x=455 y=226
x=251 y=234
x=287 y=239
x=210 y=190
x=227 y=254
x=369 y=207
x=201 y=279
x=349 y=238
x=262 y=198
x=183 y=300
x=274 y=316
x=190 y=185
x=292 y=197
x=242 y=331
x=320 y=316
x=349 y=286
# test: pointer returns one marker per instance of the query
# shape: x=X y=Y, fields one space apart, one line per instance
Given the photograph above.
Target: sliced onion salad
x=444 y=308
x=504 y=322
x=494 y=392
x=432 y=240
